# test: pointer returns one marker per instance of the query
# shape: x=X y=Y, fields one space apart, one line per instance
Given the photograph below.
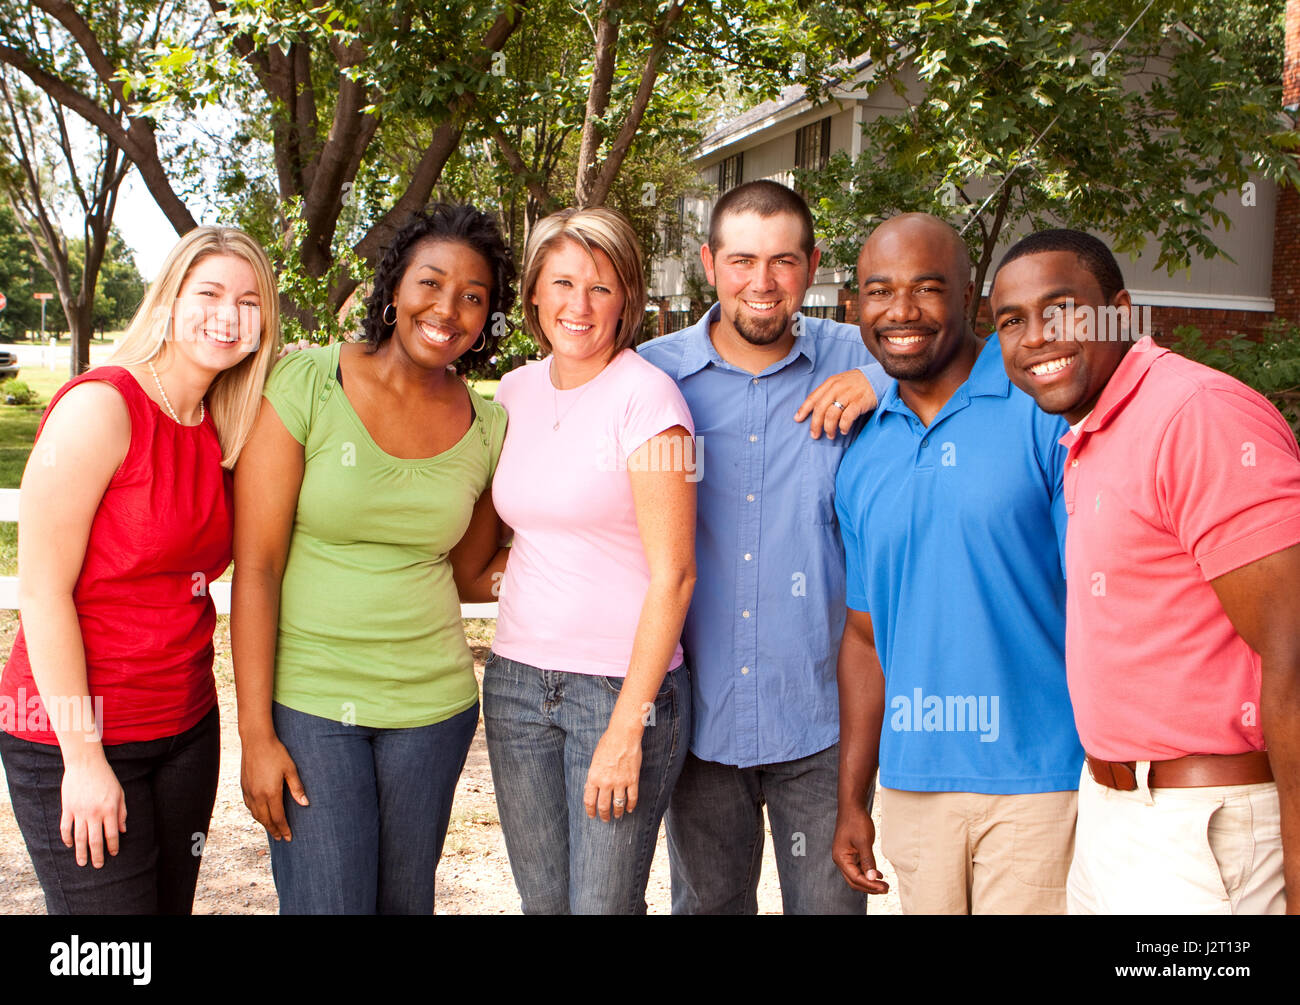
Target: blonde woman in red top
x=111 y=742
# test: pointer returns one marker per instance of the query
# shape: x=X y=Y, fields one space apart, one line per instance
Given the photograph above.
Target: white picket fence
x=220 y=591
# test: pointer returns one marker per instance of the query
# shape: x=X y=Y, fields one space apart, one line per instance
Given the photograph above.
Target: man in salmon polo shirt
x=1183 y=568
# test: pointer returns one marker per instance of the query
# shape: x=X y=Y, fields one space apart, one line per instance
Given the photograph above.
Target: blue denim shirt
x=764 y=627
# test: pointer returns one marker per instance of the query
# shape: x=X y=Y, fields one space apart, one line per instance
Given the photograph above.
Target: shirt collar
x=988 y=378
x=1123 y=382
x=699 y=351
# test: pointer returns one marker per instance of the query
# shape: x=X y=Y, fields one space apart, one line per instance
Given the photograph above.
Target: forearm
x=58 y=660
x=658 y=633
x=1280 y=716
x=862 y=709
x=483 y=586
x=254 y=625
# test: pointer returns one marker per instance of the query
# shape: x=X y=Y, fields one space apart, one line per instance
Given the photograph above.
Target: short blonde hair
x=597 y=227
x=236 y=394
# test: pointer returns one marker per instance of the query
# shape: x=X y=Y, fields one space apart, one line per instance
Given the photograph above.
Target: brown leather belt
x=1192 y=771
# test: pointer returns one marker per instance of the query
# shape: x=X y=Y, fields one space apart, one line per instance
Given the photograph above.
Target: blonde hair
x=235 y=396
x=597 y=227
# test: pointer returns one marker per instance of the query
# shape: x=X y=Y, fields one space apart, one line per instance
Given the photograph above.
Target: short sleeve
x=1228 y=479
x=855 y=582
x=878 y=379
x=496 y=423
x=653 y=405
x=293 y=388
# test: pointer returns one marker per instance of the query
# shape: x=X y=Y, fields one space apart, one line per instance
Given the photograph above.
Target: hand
x=612 y=777
x=850 y=389
x=289 y=347
x=851 y=851
x=264 y=771
x=94 y=810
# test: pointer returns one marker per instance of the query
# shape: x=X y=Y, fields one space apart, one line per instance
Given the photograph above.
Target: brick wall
x=1286 y=226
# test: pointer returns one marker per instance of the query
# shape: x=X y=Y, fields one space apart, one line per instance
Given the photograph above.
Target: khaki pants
x=1210 y=850
x=971 y=853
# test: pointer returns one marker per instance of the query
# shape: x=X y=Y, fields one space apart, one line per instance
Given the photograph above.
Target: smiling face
x=913 y=292
x=579 y=302
x=217 y=315
x=441 y=302
x=761 y=274
x=1042 y=356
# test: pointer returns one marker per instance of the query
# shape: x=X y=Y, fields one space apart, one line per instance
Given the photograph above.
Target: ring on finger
x=620 y=803
x=838 y=404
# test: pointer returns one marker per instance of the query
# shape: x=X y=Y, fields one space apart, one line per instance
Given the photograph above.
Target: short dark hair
x=443 y=222
x=1091 y=252
x=766 y=198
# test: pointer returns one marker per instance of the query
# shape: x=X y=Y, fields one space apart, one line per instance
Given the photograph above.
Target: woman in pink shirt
x=586 y=703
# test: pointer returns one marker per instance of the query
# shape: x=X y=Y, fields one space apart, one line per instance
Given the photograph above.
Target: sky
x=143 y=226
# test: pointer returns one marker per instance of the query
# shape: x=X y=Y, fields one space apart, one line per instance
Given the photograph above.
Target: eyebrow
x=754 y=254
x=1055 y=294
x=443 y=272
x=221 y=286
x=929 y=277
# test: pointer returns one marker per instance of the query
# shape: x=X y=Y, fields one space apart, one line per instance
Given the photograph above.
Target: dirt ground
x=473 y=877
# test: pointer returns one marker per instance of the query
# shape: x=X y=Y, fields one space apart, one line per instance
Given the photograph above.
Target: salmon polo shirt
x=1180 y=475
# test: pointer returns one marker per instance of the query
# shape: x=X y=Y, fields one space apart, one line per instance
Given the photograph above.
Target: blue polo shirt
x=953 y=538
x=763 y=630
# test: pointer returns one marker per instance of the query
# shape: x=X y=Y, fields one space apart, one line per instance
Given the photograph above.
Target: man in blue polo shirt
x=768 y=609
x=952 y=666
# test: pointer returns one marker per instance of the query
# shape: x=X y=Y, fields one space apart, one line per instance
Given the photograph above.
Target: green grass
x=485 y=388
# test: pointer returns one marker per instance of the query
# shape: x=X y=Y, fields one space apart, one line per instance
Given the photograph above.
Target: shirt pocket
x=817 y=469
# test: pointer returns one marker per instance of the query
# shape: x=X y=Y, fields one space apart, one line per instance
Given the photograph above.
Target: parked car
x=8 y=364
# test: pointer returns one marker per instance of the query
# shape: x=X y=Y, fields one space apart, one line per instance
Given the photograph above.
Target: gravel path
x=473 y=877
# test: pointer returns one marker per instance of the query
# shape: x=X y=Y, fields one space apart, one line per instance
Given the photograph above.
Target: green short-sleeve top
x=370 y=630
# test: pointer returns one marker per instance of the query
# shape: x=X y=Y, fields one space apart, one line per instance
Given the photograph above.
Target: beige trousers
x=1210 y=850
x=971 y=853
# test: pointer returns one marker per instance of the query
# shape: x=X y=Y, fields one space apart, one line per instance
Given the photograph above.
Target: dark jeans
x=715 y=836
x=170 y=785
x=379 y=804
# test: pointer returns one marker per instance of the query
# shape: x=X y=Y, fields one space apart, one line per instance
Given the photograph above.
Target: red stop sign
x=3 y=301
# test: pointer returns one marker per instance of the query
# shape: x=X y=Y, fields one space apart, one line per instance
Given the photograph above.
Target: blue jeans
x=542 y=730
x=169 y=784
x=715 y=836
x=380 y=799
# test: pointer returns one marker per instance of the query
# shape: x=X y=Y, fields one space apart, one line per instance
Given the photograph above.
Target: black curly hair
x=444 y=222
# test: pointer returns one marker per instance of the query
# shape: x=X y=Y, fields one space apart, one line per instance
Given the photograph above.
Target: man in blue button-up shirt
x=768 y=612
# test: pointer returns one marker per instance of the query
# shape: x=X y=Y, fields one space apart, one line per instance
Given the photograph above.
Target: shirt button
x=744 y=669
x=749 y=498
x=754 y=381
x=753 y=438
x=925 y=443
x=1074 y=463
x=748 y=556
x=744 y=614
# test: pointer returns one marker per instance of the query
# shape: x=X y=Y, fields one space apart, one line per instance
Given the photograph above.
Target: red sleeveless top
x=162 y=533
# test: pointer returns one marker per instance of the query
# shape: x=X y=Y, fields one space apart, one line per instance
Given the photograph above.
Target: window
x=674 y=227
x=729 y=172
x=812 y=147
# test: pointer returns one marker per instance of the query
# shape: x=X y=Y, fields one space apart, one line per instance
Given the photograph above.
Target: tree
x=1028 y=112
x=21 y=275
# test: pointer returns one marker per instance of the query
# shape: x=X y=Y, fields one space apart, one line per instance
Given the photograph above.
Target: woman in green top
x=366 y=467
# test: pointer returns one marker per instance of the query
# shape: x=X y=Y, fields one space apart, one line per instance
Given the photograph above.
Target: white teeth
x=1050 y=366
x=439 y=335
x=221 y=338
x=903 y=339
x=577 y=329
x=765 y=305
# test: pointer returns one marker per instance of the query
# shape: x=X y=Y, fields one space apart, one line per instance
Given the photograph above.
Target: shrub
x=15 y=392
x=1271 y=366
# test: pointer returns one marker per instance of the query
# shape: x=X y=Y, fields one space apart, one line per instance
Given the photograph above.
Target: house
x=1262 y=281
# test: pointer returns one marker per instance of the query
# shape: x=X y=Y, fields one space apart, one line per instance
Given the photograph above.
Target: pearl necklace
x=171 y=411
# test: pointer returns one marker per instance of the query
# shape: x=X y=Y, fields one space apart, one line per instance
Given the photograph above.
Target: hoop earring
x=483 y=336
x=384 y=315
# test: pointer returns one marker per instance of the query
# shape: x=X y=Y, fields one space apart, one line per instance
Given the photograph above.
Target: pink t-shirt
x=1180 y=475
x=577 y=574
